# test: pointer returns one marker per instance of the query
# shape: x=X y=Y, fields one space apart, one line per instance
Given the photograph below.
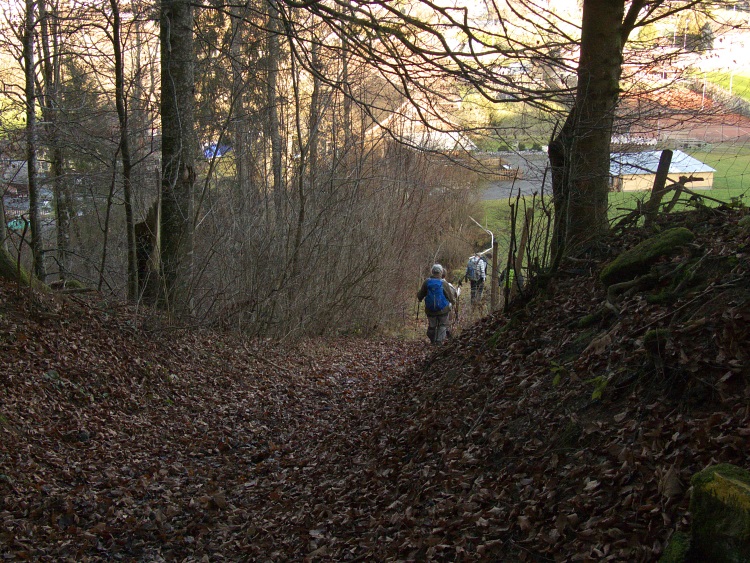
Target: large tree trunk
x=580 y=153
x=37 y=249
x=178 y=152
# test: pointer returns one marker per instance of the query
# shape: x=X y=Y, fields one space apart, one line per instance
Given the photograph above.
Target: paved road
x=532 y=165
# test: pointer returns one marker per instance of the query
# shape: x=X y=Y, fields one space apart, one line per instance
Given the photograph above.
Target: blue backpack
x=435 y=299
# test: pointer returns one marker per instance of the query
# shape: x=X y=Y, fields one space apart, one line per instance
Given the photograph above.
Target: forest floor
x=566 y=429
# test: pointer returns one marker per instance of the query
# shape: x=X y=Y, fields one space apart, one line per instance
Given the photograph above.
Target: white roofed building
x=637 y=171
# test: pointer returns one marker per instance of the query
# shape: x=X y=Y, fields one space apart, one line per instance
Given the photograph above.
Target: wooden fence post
x=494 y=279
x=658 y=191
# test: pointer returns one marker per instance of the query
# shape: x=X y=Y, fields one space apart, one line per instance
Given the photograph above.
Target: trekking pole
x=458 y=303
x=419 y=276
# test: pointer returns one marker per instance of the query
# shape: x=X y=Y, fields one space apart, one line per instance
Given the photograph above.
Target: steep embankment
x=569 y=431
x=566 y=431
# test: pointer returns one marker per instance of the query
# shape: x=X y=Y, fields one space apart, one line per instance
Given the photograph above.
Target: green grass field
x=731 y=179
x=732 y=164
x=731 y=182
x=739 y=84
x=497 y=213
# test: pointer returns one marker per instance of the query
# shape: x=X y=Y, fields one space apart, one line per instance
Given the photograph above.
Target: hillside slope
x=570 y=431
x=565 y=431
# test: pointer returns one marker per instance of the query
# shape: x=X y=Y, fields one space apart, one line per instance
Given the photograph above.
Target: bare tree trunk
x=51 y=66
x=4 y=220
x=580 y=153
x=315 y=116
x=147 y=248
x=37 y=249
x=105 y=227
x=274 y=126
x=122 y=116
x=346 y=84
x=308 y=160
x=178 y=152
x=239 y=123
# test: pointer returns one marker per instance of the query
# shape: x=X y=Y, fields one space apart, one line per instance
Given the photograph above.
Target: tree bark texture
x=10 y=269
x=51 y=66
x=308 y=161
x=580 y=153
x=178 y=152
x=37 y=249
x=239 y=124
x=274 y=123
x=147 y=252
x=127 y=168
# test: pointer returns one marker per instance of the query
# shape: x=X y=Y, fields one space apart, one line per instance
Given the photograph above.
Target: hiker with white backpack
x=438 y=302
x=476 y=273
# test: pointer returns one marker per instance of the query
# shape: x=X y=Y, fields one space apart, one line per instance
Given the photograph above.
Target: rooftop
x=648 y=161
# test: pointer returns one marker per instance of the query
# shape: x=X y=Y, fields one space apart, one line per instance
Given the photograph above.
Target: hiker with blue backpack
x=476 y=273
x=438 y=302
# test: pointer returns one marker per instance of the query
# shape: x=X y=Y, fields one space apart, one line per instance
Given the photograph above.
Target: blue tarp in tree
x=215 y=150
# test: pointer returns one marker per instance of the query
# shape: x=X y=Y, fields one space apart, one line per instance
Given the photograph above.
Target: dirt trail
x=176 y=447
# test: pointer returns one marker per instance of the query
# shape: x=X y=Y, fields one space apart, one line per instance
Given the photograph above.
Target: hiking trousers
x=437 y=327
x=477 y=290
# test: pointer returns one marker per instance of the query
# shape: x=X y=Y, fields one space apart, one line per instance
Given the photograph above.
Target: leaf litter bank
x=565 y=431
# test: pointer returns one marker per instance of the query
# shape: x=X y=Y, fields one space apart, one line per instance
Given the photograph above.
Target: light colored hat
x=437 y=269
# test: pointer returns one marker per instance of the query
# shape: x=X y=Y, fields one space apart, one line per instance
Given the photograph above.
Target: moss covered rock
x=720 y=506
x=639 y=259
x=677 y=549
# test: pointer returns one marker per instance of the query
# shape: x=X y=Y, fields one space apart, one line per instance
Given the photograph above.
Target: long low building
x=637 y=171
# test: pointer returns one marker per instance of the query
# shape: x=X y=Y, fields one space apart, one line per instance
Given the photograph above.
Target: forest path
x=182 y=446
x=309 y=488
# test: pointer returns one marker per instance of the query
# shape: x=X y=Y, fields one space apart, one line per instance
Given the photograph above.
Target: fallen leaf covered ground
x=566 y=429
